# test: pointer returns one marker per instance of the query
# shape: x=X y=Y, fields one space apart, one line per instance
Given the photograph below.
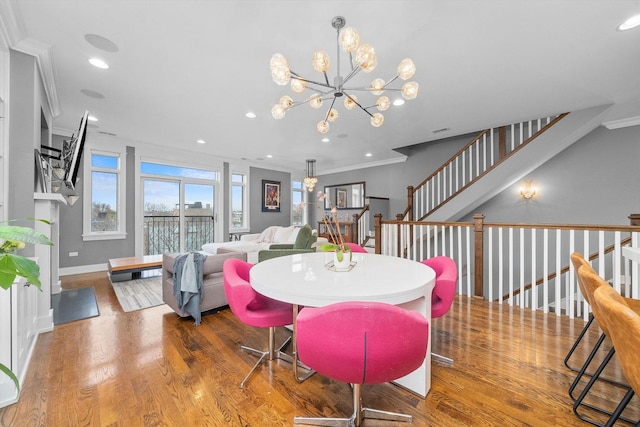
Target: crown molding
x=12 y=29
x=622 y=123
x=391 y=161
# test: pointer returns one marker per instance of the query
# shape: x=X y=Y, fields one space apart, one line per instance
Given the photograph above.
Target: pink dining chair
x=356 y=248
x=255 y=309
x=444 y=291
x=361 y=343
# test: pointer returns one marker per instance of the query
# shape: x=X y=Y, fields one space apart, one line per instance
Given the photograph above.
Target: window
x=239 y=220
x=104 y=196
x=299 y=208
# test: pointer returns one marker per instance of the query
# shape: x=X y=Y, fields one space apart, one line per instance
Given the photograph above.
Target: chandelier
x=310 y=180
x=362 y=57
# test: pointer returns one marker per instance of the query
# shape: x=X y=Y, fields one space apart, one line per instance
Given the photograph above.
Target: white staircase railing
x=469 y=164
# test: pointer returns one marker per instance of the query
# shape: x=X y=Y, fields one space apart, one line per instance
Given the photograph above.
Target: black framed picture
x=341 y=198
x=270 y=196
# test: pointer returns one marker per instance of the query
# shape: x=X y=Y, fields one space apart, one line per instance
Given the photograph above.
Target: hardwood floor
x=152 y=368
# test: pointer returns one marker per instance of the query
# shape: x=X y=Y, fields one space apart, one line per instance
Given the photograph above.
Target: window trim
x=245 y=202
x=121 y=233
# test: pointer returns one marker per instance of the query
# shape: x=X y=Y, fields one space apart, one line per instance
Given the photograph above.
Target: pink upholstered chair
x=255 y=309
x=361 y=343
x=356 y=248
x=444 y=291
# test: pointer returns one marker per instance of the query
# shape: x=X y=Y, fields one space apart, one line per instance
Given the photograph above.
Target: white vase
x=345 y=263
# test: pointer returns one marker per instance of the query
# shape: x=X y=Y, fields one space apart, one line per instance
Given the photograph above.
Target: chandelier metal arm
x=352 y=73
x=298 y=77
x=357 y=103
x=326 y=117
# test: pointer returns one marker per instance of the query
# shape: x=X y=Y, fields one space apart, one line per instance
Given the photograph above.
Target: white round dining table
x=308 y=280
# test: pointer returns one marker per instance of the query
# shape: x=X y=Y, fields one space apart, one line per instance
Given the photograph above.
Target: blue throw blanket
x=187 y=283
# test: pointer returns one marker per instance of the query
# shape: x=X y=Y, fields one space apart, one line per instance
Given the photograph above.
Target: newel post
x=478 y=238
x=410 y=202
x=377 y=231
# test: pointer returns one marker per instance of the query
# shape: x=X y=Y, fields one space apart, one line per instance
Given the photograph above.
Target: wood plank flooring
x=152 y=368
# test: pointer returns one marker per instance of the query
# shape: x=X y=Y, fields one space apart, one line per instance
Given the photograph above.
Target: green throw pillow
x=305 y=238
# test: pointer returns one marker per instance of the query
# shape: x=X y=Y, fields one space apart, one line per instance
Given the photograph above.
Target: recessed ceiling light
x=92 y=119
x=251 y=115
x=269 y=156
x=630 y=23
x=201 y=141
x=325 y=139
x=98 y=63
x=368 y=154
x=398 y=102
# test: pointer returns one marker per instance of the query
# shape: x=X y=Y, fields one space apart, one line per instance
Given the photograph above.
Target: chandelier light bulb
x=315 y=101
x=383 y=103
x=406 y=69
x=280 y=72
x=366 y=58
x=361 y=57
x=377 y=119
x=323 y=127
x=377 y=86
x=349 y=39
x=320 y=61
x=350 y=102
x=278 y=111
x=286 y=101
x=298 y=86
x=410 y=90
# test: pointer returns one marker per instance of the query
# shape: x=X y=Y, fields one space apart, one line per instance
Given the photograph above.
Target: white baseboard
x=81 y=269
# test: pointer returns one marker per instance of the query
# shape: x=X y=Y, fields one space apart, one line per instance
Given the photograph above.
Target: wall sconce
x=527 y=191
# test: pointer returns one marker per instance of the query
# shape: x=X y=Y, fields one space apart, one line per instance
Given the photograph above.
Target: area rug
x=139 y=293
x=74 y=304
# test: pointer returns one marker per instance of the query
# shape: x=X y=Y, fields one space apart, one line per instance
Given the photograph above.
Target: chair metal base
x=359 y=413
x=442 y=359
x=270 y=354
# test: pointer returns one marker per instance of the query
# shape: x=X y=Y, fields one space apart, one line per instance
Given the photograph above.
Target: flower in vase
x=332 y=225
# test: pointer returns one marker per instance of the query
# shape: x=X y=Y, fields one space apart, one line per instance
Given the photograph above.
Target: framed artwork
x=270 y=196
x=341 y=198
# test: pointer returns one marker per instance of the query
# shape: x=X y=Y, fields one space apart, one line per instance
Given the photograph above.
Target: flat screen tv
x=72 y=152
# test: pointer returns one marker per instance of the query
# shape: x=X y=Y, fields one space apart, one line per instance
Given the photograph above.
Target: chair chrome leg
x=270 y=354
x=359 y=413
x=443 y=359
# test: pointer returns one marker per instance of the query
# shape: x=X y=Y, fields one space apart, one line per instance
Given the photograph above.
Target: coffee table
x=130 y=268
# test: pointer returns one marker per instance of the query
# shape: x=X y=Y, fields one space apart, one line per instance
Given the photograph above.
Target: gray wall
x=261 y=220
x=391 y=181
x=594 y=181
x=26 y=103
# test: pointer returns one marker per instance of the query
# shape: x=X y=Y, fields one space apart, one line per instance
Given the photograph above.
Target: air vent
x=441 y=130
x=107 y=133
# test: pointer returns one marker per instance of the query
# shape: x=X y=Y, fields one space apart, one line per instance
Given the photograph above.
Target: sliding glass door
x=179 y=212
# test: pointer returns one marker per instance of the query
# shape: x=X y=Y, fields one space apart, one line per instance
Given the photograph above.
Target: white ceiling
x=191 y=69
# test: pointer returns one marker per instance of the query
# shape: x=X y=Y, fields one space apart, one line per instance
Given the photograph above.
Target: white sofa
x=254 y=243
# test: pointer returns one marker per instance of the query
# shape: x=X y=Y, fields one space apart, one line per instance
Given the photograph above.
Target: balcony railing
x=162 y=233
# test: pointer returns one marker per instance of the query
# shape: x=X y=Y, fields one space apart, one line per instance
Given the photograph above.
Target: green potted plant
x=12 y=239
